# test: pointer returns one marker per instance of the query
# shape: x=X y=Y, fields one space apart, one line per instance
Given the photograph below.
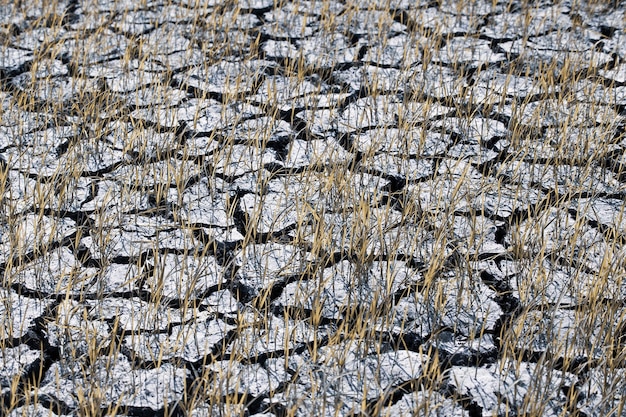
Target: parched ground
x=316 y=208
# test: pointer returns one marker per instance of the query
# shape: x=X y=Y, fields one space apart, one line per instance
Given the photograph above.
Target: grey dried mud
x=256 y=208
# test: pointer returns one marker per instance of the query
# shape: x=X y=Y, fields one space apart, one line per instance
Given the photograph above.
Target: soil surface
x=312 y=208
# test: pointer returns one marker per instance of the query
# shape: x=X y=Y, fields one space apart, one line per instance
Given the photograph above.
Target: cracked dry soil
x=305 y=208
